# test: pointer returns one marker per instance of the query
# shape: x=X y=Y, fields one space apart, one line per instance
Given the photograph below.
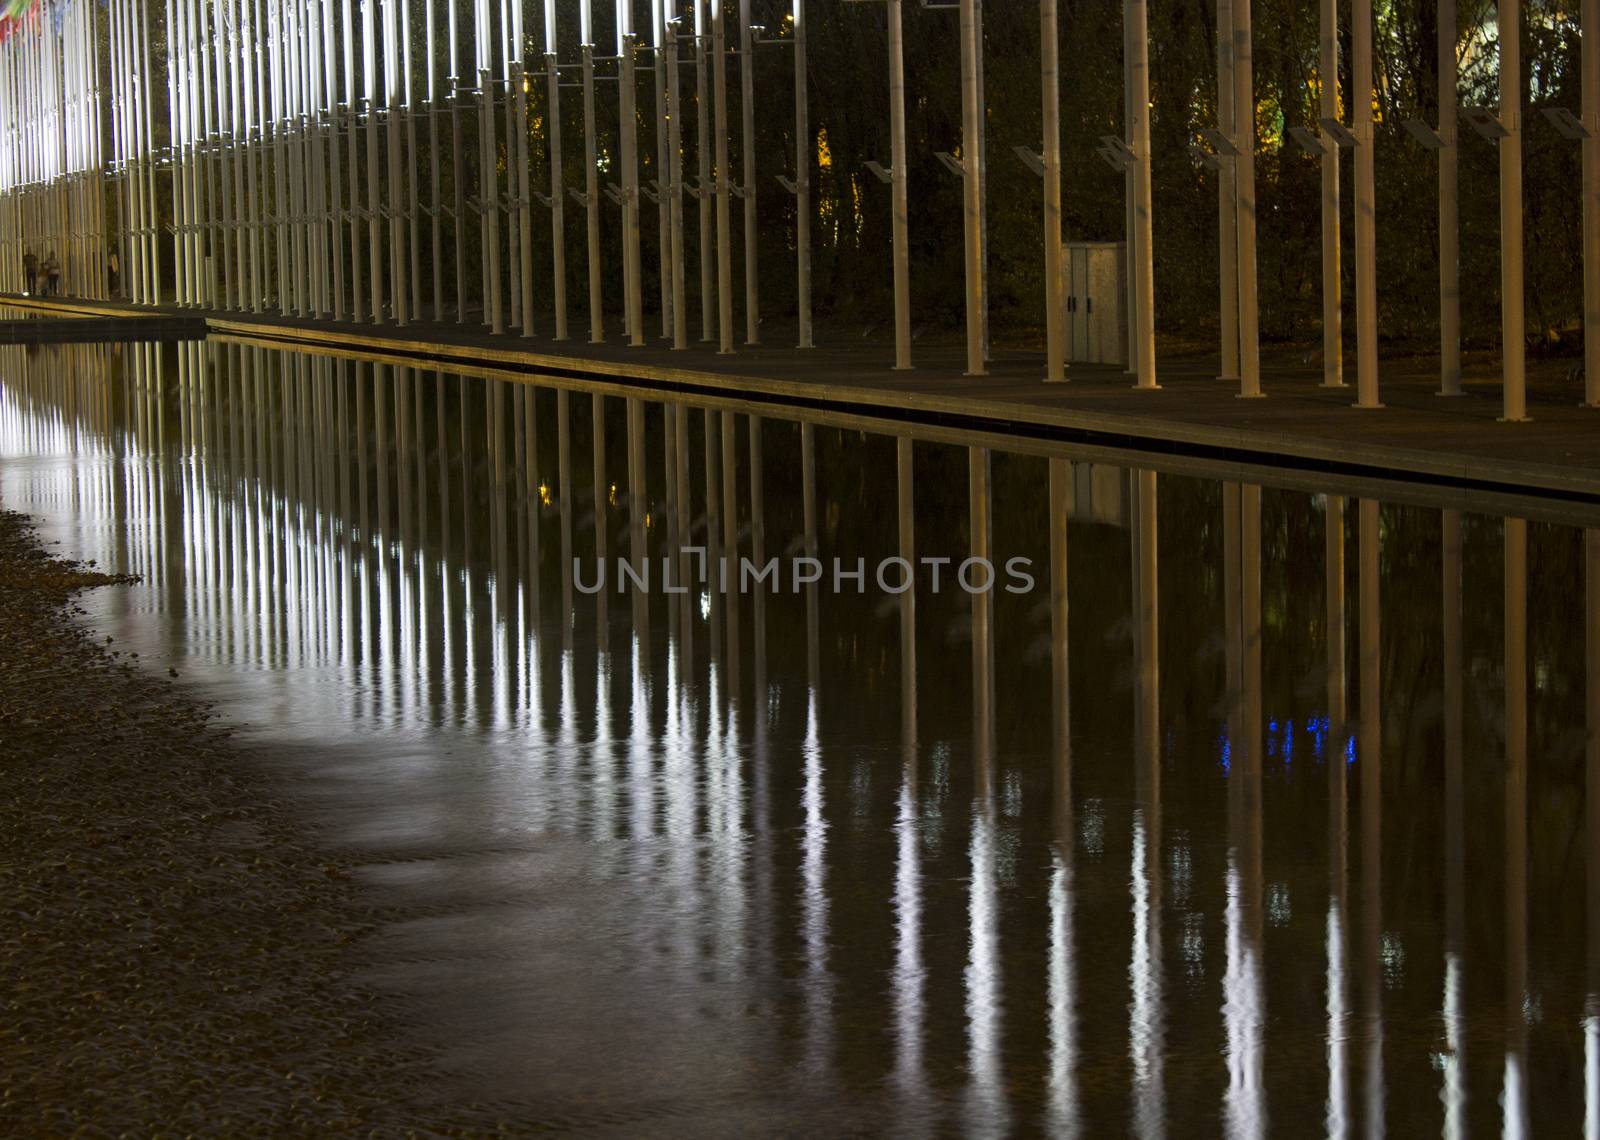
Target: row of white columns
x=293 y=124
x=1236 y=215
x=52 y=173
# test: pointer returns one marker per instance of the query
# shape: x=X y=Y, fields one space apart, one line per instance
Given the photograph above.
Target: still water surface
x=1265 y=809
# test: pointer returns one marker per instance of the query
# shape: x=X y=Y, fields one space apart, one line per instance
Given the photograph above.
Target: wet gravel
x=175 y=954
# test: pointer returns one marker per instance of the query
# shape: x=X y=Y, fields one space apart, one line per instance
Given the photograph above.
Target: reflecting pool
x=1242 y=800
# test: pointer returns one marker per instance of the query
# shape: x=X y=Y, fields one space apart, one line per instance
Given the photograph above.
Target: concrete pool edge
x=998 y=413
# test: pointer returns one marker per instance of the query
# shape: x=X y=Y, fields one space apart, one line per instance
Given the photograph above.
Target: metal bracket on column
x=1116 y=152
x=951 y=163
x=1486 y=122
x=787 y=183
x=1311 y=142
x=1426 y=136
x=1031 y=159
x=879 y=171
x=579 y=196
x=1342 y=135
x=613 y=191
x=1565 y=122
x=651 y=194
x=740 y=192
x=1219 y=141
x=1204 y=157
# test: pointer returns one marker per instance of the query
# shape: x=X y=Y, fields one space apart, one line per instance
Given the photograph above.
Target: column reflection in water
x=638 y=523
x=706 y=798
x=1514 y=1093
x=987 y=1108
x=910 y=974
x=1063 y=983
x=1453 y=1094
x=817 y=986
x=1244 y=1001
x=1370 y=758
x=1591 y=669
x=1336 y=1111
x=604 y=573
x=728 y=579
x=1147 y=1028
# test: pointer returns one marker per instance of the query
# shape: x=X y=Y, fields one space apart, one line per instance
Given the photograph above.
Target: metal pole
x=558 y=219
x=435 y=177
x=591 y=176
x=1449 y=227
x=369 y=78
x=399 y=290
x=1245 y=118
x=632 y=265
x=747 y=147
x=1143 y=316
x=336 y=211
x=408 y=105
x=899 y=208
x=1590 y=67
x=458 y=166
x=1130 y=228
x=347 y=27
x=524 y=191
x=1332 y=281
x=719 y=86
x=672 y=190
x=971 y=115
x=1512 y=338
x=803 y=148
x=1050 y=87
x=702 y=157
x=1366 y=209
x=488 y=166
x=664 y=246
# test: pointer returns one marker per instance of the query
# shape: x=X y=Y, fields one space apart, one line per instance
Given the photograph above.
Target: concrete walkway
x=1417 y=435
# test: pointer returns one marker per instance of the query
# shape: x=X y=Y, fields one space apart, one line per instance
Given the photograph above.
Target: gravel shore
x=175 y=953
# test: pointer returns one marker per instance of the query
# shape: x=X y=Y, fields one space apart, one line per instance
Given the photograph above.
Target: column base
x=1369 y=407
x=1250 y=396
x=1513 y=419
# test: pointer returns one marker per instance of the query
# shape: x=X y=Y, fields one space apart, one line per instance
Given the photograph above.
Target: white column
x=719 y=87
x=1244 y=105
x=558 y=220
x=972 y=212
x=1332 y=282
x=803 y=153
x=1366 y=208
x=1449 y=227
x=591 y=176
x=632 y=264
x=1590 y=68
x=747 y=148
x=899 y=209
x=672 y=190
x=1143 y=317
x=1512 y=339
x=658 y=77
x=1050 y=87
x=702 y=157
x=521 y=184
